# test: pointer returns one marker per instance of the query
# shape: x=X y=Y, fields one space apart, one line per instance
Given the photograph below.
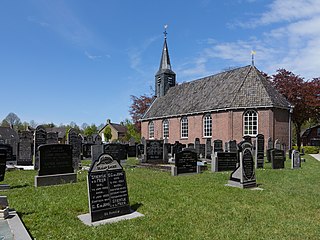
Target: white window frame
x=184 y=131
x=151 y=130
x=165 y=128
x=207 y=126
x=250 y=123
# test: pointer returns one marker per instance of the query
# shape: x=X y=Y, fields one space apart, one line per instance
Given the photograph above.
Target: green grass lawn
x=183 y=207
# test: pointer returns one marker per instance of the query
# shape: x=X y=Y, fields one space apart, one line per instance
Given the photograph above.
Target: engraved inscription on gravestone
x=259 y=153
x=186 y=161
x=224 y=161
x=108 y=193
x=277 y=158
x=154 y=150
x=116 y=150
x=295 y=159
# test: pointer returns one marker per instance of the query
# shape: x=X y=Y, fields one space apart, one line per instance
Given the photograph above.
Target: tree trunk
x=298 y=131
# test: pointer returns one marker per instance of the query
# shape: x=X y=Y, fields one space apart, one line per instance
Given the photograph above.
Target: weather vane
x=165 y=30
x=252 y=57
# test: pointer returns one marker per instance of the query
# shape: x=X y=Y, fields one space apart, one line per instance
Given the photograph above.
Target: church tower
x=165 y=77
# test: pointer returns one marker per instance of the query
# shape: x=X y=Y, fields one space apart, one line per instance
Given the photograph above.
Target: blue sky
x=80 y=60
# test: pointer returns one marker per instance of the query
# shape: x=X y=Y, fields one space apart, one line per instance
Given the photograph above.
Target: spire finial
x=252 y=57
x=165 y=31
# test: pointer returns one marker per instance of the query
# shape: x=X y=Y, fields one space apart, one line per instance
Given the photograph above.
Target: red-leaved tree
x=303 y=95
x=138 y=108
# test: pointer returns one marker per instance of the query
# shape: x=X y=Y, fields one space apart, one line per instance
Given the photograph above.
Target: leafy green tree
x=107 y=133
x=131 y=131
x=90 y=130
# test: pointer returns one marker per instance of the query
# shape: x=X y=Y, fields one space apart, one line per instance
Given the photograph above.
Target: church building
x=226 y=106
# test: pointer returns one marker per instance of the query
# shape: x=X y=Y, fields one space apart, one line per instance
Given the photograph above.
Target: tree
x=33 y=124
x=107 y=133
x=138 y=108
x=131 y=131
x=90 y=130
x=4 y=123
x=301 y=94
x=13 y=120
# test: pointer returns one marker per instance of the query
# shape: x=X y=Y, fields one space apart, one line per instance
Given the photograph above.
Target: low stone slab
x=241 y=186
x=86 y=219
x=55 y=179
x=17 y=228
x=4 y=187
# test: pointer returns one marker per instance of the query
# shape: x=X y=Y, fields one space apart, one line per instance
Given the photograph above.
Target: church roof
x=243 y=87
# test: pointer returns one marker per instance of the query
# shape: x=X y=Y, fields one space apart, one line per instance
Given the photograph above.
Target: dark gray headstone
x=86 y=150
x=108 y=192
x=202 y=151
x=117 y=151
x=52 y=137
x=277 y=144
x=3 y=159
x=190 y=145
x=186 y=161
x=132 y=151
x=97 y=140
x=96 y=151
x=224 y=161
x=295 y=159
x=177 y=147
x=208 y=148
x=140 y=150
x=270 y=143
x=277 y=158
x=259 y=153
x=25 y=148
x=197 y=146
x=247 y=138
x=217 y=145
x=74 y=141
x=55 y=159
x=233 y=146
x=8 y=149
x=244 y=175
x=154 y=151
x=40 y=138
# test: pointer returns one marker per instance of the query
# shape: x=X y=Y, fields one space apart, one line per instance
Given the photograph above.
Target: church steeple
x=165 y=77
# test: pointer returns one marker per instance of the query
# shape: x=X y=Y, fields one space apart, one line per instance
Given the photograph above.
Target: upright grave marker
x=25 y=148
x=269 y=149
x=9 y=152
x=154 y=151
x=55 y=162
x=117 y=151
x=277 y=158
x=3 y=159
x=208 y=148
x=295 y=159
x=197 y=146
x=217 y=145
x=185 y=162
x=74 y=141
x=108 y=192
x=40 y=138
x=224 y=161
x=52 y=138
x=259 y=153
x=244 y=175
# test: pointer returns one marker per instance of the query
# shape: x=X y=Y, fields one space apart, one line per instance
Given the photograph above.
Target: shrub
x=308 y=149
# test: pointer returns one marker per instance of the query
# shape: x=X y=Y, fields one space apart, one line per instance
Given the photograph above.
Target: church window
x=151 y=130
x=207 y=126
x=250 y=123
x=165 y=126
x=184 y=127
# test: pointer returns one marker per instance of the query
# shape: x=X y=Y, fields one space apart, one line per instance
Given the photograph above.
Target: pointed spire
x=165 y=59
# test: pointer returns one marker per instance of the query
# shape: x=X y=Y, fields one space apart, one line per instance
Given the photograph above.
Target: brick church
x=225 y=106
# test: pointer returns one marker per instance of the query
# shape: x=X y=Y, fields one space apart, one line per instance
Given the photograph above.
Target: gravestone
x=217 y=145
x=208 y=148
x=25 y=148
x=202 y=151
x=86 y=150
x=74 y=141
x=96 y=151
x=247 y=138
x=185 y=162
x=52 y=138
x=3 y=160
x=154 y=151
x=224 y=161
x=259 y=153
x=117 y=151
x=97 y=140
x=108 y=192
x=177 y=147
x=8 y=149
x=226 y=147
x=140 y=150
x=190 y=145
x=277 y=144
x=166 y=150
x=233 y=146
x=244 y=175
x=277 y=158
x=270 y=143
x=295 y=159
x=197 y=146
x=55 y=165
x=132 y=151
x=40 y=138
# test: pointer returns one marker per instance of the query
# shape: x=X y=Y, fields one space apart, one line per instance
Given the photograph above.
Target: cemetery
x=113 y=192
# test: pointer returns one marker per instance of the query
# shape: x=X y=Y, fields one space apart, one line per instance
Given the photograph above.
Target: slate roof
x=243 y=87
x=118 y=127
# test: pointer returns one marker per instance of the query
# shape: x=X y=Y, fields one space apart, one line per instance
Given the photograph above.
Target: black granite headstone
x=3 y=159
x=74 y=141
x=208 y=148
x=226 y=161
x=117 y=151
x=40 y=138
x=55 y=159
x=217 y=145
x=52 y=137
x=108 y=192
x=186 y=161
x=25 y=148
x=154 y=150
x=132 y=151
x=197 y=146
x=8 y=149
x=247 y=138
x=277 y=158
x=259 y=153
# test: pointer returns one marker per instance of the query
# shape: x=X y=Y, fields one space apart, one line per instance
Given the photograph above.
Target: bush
x=308 y=149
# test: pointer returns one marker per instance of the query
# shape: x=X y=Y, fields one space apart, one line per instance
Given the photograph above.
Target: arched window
x=165 y=128
x=250 y=123
x=207 y=126
x=151 y=129
x=184 y=127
